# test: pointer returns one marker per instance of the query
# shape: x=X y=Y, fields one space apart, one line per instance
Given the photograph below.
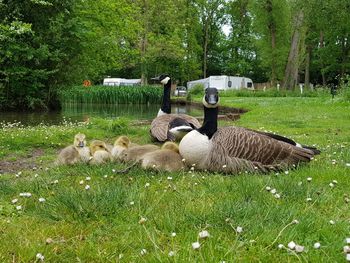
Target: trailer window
x=229 y=83
x=249 y=84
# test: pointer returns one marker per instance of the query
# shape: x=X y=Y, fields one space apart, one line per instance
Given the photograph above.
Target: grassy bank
x=102 y=224
x=110 y=95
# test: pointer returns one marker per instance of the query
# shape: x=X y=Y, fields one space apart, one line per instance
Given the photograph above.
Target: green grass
x=110 y=95
x=100 y=225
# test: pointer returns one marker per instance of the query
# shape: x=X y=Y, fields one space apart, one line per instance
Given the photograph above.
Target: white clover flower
x=299 y=248
x=173 y=234
x=309 y=199
x=40 y=256
x=132 y=203
x=147 y=184
x=295 y=221
x=169 y=178
x=196 y=245
x=143 y=252
x=171 y=253
x=317 y=245
x=309 y=179
x=273 y=191
x=332 y=222
x=88 y=178
x=14 y=201
x=291 y=245
x=42 y=199
x=142 y=220
x=19 y=207
x=346 y=249
x=347 y=240
x=22 y=194
x=280 y=246
x=331 y=185
x=335 y=182
x=81 y=182
x=268 y=188
x=277 y=196
x=55 y=182
x=239 y=229
x=87 y=187
x=204 y=234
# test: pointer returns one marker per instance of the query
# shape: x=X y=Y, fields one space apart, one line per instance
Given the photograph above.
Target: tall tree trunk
x=205 y=47
x=307 y=66
x=143 y=44
x=272 y=30
x=292 y=67
x=322 y=64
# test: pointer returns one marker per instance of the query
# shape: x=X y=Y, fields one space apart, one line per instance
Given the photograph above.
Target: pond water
x=83 y=112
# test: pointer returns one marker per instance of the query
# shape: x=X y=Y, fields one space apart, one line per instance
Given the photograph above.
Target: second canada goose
x=166 y=159
x=237 y=149
x=99 y=152
x=78 y=152
x=167 y=126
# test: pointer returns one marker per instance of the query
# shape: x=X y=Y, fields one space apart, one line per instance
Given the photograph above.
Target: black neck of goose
x=210 y=124
x=166 y=106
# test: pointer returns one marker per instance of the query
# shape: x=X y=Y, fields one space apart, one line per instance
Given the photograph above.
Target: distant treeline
x=46 y=44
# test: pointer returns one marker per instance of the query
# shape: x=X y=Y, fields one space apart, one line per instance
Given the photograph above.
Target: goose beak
x=212 y=99
x=81 y=144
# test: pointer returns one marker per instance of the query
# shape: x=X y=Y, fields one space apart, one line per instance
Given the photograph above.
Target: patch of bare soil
x=21 y=163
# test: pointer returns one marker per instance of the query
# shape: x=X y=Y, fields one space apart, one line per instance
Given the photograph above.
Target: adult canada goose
x=78 y=152
x=167 y=126
x=236 y=149
x=99 y=152
x=166 y=159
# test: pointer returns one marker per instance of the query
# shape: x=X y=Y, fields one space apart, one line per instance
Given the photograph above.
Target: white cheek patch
x=205 y=103
x=165 y=81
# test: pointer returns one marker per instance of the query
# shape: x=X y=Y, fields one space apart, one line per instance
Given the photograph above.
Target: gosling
x=99 y=152
x=76 y=153
x=166 y=159
x=137 y=152
x=120 y=145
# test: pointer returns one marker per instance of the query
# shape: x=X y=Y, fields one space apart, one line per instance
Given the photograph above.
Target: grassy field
x=246 y=223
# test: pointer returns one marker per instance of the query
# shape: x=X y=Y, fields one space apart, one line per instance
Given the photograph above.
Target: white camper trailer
x=223 y=82
x=121 y=82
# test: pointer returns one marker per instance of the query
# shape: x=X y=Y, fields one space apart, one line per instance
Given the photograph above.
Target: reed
x=110 y=95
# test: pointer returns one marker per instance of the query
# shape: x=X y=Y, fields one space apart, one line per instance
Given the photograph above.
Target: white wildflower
x=88 y=178
x=309 y=179
x=286 y=172
x=299 y=248
x=309 y=199
x=317 y=245
x=105 y=176
x=169 y=178
x=346 y=249
x=87 y=187
x=347 y=240
x=331 y=185
x=142 y=220
x=14 y=201
x=81 y=182
x=347 y=257
x=273 y=191
x=277 y=196
x=147 y=184
x=300 y=183
x=280 y=246
x=239 y=229
x=143 y=252
x=203 y=234
x=335 y=182
x=42 y=199
x=291 y=245
x=40 y=256
x=19 y=207
x=173 y=234
x=132 y=203
x=55 y=182
x=171 y=253
x=268 y=188
x=196 y=245
x=332 y=222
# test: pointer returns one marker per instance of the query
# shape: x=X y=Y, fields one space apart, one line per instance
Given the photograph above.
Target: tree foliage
x=45 y=44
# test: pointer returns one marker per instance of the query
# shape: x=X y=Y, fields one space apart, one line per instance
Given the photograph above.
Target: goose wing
x=160 y=126
x=243 y=149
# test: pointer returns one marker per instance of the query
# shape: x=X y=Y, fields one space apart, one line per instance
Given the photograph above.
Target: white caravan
x=223 y=82
x=121 y=82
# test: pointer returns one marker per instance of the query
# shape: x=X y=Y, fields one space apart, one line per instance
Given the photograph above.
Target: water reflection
x=83 y=112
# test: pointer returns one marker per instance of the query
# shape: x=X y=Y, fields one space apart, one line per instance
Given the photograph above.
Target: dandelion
x=203 y=234
x=309 y=179
x=171 y=253
x=239 y=229
x=42 y=199
x=291 y=245
x=143 y=252
x=173 y=234
x=196 y=245
x=87 y=187
x=14 y=201
x=317 y=245
x=40 y=256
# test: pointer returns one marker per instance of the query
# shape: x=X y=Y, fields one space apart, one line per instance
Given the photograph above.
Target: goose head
x=163 y=79
x=211 y=98
x=79 y=140
x=97 y=145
